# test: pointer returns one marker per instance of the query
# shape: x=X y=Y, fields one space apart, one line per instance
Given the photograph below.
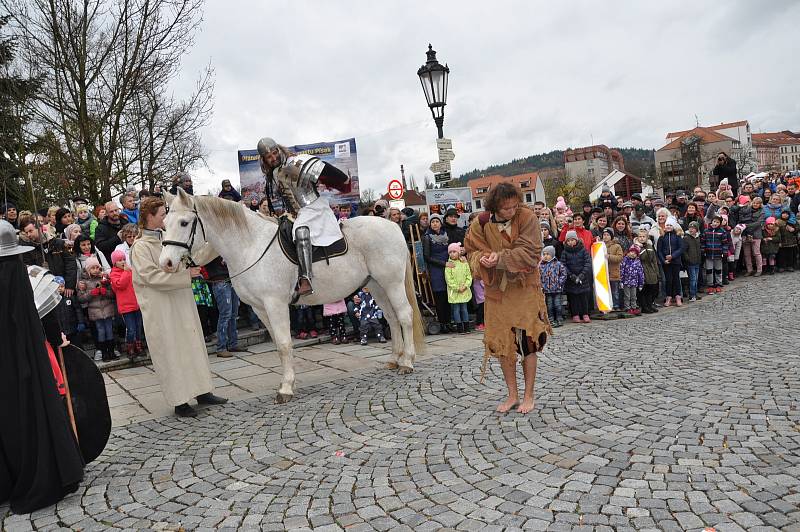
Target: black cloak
x=40 y=461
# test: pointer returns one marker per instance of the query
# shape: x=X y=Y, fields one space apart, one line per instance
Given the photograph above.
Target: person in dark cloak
x=40 y=461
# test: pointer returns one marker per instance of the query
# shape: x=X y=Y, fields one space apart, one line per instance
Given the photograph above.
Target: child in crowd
x=715 y=242
x=70 y=315
x=369 y=315
x=578 y=285
x=615 y=255
x=735 y=250
x=692 y=256
x=127 y=234
x=670 y=251
x=553 y=275
x=83 y=249
x=306 y=324
x=458 y=277
x=770 y=244
x=787 y=228
x=127 y=305
x=631 y=276
x=336 y=312
x=549 y=240
x=94 y=289
x=479 y=293
x=652 y=274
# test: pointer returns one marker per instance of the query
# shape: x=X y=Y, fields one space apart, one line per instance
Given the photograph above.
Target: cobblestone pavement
x=680 y=421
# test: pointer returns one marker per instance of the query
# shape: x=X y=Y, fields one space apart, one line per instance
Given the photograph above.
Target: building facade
x=780 y=151
x=687 y=161
x=743 y=151
x=530 y=183
x=593 y=162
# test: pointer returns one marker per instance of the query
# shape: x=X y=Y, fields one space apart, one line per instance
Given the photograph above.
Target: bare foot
x=507 y=405
x=526 y=406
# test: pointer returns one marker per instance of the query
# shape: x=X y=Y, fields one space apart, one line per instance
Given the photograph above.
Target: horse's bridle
x=188 y=245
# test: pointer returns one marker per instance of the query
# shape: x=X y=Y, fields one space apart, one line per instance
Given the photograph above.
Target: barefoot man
x=504 y=245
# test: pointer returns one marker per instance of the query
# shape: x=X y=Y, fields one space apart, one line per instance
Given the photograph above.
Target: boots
x=139 y=347
x=107 y=348
x=678 y=301
x=130 y=350
x=460 y=328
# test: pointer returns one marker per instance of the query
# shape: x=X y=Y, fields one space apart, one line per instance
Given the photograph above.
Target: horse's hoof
x=405 y=370
x=391 y=365
x=283 y=398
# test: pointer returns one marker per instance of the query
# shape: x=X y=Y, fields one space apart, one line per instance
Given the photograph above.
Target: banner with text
x=340 y=153
x=460 y=199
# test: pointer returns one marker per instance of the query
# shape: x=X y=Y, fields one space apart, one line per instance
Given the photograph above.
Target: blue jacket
x=579 y=269
x=133 y=215
x=670 y=244
x=715 y=242
x=553 y=275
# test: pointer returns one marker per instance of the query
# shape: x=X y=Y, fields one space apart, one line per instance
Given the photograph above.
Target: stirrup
x=297 y=294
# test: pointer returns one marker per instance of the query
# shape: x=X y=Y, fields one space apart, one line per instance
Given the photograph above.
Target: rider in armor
x=297 y=178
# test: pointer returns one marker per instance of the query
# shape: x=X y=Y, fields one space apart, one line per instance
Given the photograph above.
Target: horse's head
x=184 y=231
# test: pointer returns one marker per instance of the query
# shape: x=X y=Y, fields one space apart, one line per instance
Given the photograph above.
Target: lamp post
x=433 y=77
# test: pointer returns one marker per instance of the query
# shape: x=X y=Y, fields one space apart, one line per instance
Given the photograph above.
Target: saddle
x=319 y=253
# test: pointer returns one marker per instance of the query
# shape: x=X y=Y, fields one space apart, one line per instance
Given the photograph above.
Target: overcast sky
x=525 y=77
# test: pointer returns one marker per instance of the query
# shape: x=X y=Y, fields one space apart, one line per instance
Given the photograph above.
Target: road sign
x=440 y=167
x=444 y=144
x=441 y=178
x=397 y=204
x=446 y=155
x=395 y=189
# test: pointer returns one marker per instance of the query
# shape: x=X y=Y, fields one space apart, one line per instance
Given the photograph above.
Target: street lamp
x=433 y=77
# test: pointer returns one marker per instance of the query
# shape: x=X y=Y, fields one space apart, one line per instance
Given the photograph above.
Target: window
x=528 y=197
x=478 y=204
x=591 y=172
x=525 y=184
x=482 y=190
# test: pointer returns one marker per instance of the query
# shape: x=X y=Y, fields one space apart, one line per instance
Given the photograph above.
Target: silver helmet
x=266 y=145
x=9 y=244
x=45 y=289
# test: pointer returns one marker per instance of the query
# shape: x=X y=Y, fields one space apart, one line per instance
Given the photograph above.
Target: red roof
x=727 y=125
x=779 y=138
x=706 y=135
x=488 y=181
x=411 y=197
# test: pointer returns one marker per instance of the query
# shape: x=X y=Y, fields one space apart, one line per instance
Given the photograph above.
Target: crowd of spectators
x=661 y=252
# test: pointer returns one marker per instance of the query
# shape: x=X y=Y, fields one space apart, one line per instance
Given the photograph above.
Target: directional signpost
x=441 y=169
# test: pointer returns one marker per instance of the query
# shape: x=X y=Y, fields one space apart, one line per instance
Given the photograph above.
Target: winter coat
x=369 y=309
x=553 y=275
x=454 y=233
x=727 y=171
x=670 y=244
x=649 y=260
x=69 y=314
x=132 y=215
x=753 y=219
x=578 y=263
x=687 y=219
x=552 y=241
x=457 y=274
x=631 y=272
x=771 y=242
x=335 y=308
x=106 y=236
x=434 y=249
x=584 y=235
x=716 y=242
x=122 y=283
x=636 y=222
x=623 y=240
x=692 y=254
x=615 y=255
x=772 y=210
x=57 y=258
x=89 y=226
x=478 y=290
x=788 y=238
x=99 y=297
x=80 y=261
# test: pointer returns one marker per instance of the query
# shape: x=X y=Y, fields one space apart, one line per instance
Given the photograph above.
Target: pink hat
x=771 y=220
x=744 y=200
x=740 y=227
x=91 y=261
x=117 y=255
x=560 y=203
x=455 y=246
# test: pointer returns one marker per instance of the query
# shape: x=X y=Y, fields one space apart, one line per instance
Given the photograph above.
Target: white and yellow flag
x=602 y=286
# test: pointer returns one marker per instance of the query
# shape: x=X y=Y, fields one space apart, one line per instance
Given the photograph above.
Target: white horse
x=264 y=278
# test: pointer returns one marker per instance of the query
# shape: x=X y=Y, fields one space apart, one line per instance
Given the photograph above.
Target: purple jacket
x=631 y=272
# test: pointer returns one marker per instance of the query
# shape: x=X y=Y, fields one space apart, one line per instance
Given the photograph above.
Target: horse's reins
x=188 y=246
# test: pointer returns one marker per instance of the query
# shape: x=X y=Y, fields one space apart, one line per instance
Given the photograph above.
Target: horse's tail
x=419 y=326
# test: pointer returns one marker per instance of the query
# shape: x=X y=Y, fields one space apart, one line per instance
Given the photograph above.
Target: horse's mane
x=223 y=210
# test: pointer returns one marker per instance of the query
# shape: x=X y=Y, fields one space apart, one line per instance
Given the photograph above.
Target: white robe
x=171 y=324
x=321 y=221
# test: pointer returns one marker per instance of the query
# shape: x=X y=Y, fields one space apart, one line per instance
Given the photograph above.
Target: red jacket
x=583 y=234
x=122 y=283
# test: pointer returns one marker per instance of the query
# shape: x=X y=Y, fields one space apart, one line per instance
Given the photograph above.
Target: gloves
x=581 y=278
x=573 y=278
x=81 y=327
x=95 y=291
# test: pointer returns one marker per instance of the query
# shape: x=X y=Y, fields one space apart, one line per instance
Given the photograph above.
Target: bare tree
x=575 y=190
x=368 y=197
x=104 y=111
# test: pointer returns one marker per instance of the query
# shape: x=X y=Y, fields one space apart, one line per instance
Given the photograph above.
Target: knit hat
x=724 y=181
x=69 y=229
x=671 y=221
x=560 y=203
x=91 y=261
x=455 y=246
x=739 y=227
x=609 y=231
x=550 y=250
x=60 y=280
x=117 y=255
x=744 y=200
x=544 y=224
x=644 y=227
x=694 y=224
x=605 y=188
x=634 y=249
x=433 y=217
x=571 y=234
x=770 y=220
